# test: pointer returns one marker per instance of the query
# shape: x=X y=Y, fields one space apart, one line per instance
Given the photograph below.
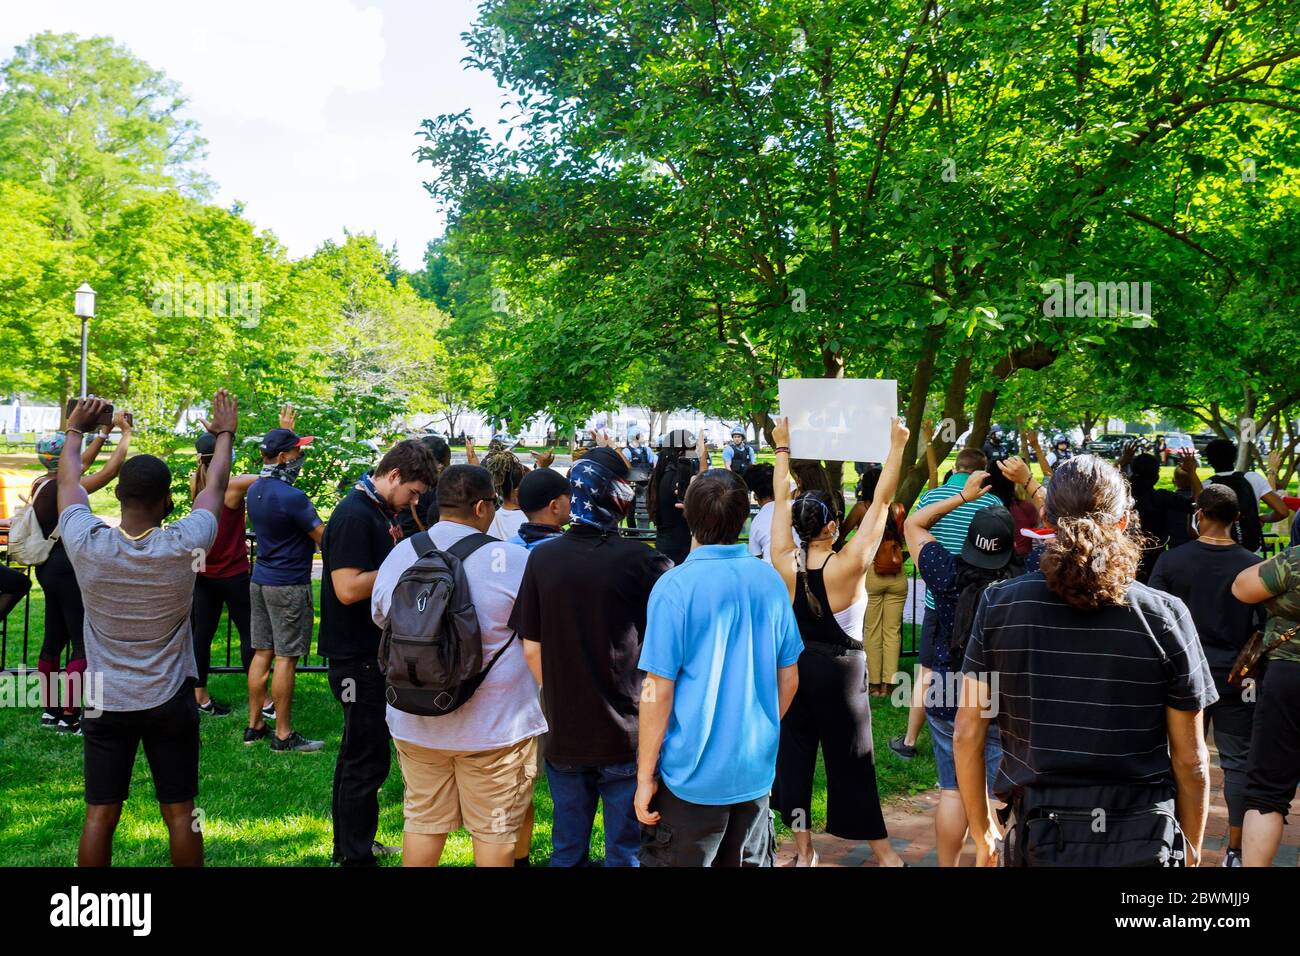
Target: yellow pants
x=886 y=595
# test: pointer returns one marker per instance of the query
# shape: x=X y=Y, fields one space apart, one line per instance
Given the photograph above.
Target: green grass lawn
x=262 y=808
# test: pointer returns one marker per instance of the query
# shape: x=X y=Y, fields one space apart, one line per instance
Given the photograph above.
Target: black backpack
x=1249 y=531
x=431 y=652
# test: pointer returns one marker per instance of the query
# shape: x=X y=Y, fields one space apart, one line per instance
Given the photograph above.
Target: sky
x=310 y=107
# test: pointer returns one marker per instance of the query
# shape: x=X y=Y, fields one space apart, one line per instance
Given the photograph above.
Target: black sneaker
x=268 y=712
x=69 y=725
x=1232 y=858
x=900 y=748
x=380 y=849
x=253 y=734
x=213 y=709
x=296 y=742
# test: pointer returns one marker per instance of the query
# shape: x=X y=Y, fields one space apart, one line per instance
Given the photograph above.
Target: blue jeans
x=941 y=732
x=574 y=792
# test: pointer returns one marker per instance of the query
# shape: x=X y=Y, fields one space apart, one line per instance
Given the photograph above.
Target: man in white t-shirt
x=476 y=765
x=1222 y=456
x=759 y=480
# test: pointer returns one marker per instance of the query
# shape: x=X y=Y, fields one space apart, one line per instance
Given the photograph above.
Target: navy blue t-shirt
x=283 y=519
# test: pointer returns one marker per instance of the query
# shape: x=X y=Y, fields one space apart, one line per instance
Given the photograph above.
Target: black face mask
x=171 y=506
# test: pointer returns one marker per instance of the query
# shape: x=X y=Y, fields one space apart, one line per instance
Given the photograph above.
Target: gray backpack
x=431 y=653
x=28 y=544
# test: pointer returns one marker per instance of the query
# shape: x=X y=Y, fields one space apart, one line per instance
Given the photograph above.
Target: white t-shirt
x=506 y=524
x=760 y=533
x=504 y=710
x=1258 y=483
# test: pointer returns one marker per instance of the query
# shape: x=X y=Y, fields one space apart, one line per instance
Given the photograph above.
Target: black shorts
x=1273 y=766
x=170 y=734
x=696 y=835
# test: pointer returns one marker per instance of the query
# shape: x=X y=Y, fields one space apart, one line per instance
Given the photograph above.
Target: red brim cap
x=305 y=440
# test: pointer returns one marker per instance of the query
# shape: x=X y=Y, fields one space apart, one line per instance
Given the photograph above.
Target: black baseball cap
x=283 y=439
x=206 y=444
x=539 y=488
x=990 y=539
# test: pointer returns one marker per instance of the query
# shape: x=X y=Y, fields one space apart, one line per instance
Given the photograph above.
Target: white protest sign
x=839 y=419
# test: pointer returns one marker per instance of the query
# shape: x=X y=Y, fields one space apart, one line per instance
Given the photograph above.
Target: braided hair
x=810 y=513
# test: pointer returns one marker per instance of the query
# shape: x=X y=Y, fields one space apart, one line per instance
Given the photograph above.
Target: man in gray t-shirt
x=138 y=584
x=138 y=593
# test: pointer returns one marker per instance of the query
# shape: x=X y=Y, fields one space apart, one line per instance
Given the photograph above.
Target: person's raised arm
x=92 y=483
x=862 y=549
x=237 y=489
x=1190 y=760
x=702 y=451
x=931 y=459
x=782 y=529
x=1187 y=463
x=916 y=529
x=225 y=419
x=1016 y=471
x=68 y=478
x=93 y=447
x=1032 y=439
x=470 y=457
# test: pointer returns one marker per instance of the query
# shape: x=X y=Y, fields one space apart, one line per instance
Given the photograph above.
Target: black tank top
x=824 y=629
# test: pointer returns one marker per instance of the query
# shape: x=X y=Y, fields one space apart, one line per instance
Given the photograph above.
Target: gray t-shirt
x=138 y=596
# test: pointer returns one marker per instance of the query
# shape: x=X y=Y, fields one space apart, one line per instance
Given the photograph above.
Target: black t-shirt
x=1201 y=576
x=1081 y=695
x=1160 y=513
x=583 y=598
x=673 y=536
x=357 y=536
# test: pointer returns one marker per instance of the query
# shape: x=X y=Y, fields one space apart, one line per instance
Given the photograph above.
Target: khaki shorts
x=488 y=791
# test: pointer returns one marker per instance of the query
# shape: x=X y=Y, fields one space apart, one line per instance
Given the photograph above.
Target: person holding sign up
x=832 y=705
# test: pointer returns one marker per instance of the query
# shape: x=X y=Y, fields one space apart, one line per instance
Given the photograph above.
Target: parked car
x=1176 y=445
x=1110 y=444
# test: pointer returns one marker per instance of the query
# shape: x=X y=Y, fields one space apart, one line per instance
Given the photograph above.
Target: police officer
x=738 y=455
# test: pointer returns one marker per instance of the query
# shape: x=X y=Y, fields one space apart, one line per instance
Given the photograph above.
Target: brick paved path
x=911 y=830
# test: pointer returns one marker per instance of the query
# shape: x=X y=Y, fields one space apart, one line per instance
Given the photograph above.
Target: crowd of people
x=490 y=620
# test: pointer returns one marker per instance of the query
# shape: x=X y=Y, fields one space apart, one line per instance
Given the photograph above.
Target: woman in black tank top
x=832 y=708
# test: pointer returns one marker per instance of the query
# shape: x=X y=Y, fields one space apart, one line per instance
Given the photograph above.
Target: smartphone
x=105 y=417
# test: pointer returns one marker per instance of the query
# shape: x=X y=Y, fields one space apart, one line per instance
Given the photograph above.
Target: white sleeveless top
x=852 y=619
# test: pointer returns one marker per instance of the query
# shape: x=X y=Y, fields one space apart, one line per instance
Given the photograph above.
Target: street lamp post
x=86 y=312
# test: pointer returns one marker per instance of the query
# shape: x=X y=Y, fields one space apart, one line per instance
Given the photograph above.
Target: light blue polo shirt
x=720 y=625
x=950 y=530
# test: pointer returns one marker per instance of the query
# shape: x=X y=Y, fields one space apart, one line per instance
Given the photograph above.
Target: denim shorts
x=941 y=736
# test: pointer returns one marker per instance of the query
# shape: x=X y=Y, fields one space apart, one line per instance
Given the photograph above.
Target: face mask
x=285 y=471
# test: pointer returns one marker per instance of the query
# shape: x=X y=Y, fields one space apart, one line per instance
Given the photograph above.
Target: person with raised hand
x=138 y=581
x=64 y=609
x=832 y=707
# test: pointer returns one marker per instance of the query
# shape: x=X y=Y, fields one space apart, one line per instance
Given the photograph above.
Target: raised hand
x=781 y=432
x=1015 y=470
x=1187 y=462
x=86 y=413
x=288 y=415
x=544 y=459
x=121 y=421
x=975 y=487
x=225 y=415
x=898 y=433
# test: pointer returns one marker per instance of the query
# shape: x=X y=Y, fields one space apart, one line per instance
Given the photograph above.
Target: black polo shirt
x=357 y=536
x=583 y=598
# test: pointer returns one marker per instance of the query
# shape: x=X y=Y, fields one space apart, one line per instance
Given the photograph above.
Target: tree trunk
x=983 y=418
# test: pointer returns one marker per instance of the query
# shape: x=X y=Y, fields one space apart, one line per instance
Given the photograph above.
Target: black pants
x=695 y=834
x=64 y=612
x=211 y=595
x=14 y=586
x=1231 y=719
x=364 y=758
x=830 y=709
x=1273 y=769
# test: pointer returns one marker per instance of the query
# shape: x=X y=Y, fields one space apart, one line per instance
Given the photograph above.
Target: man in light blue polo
x=949 y=531
x=720 y=654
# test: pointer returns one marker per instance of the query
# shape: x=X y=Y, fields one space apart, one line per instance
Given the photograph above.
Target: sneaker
x=268 y=712
x=213 y=709
x=69 y=725
x=253 y=734
x=1232 y=858
x=48 y=720
x=296 y=741
x=380 y=849
x=900 y=748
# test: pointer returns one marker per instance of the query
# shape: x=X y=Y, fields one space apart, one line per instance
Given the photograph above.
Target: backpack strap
x=467 y=545
x=423 y=544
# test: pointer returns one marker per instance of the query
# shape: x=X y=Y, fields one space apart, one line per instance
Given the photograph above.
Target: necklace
x=1212 y=539
x=137 y=537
